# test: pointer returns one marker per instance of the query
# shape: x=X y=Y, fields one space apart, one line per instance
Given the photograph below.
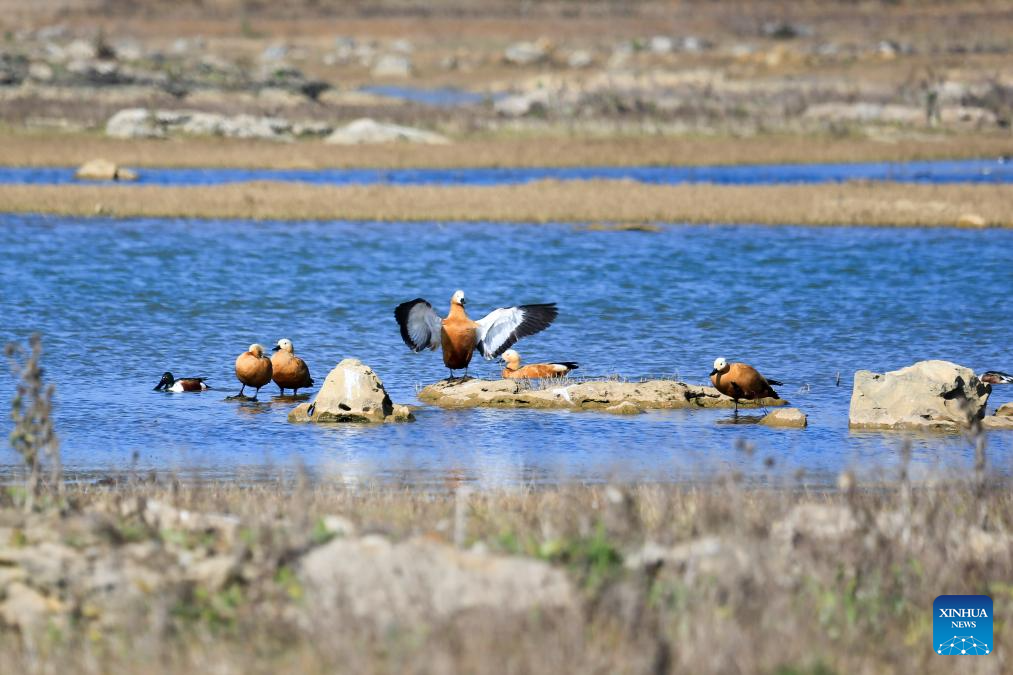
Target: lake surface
x=119 y=302
x=949 y=171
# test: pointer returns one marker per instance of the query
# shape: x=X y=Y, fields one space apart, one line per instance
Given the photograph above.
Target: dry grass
x=876 y=204
x=21 y=149
x=796 y=581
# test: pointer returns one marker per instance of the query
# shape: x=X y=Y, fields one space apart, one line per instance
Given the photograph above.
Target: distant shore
x=845 y=204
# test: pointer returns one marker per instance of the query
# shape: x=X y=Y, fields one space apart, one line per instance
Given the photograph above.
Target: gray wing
x=502 y=327
x=420 y=325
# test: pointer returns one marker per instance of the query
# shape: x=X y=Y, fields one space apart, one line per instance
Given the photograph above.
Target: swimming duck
x=459 y=336
x=741 y=381
x=533 y=371
x=253 y=369
x=169 y=383
x=996 y=377
x=289 y=371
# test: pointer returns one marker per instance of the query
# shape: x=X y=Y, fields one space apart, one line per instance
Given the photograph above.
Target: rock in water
x=103 y=169
x=410 y=582
x=927 y=395
x=789 y=418
x=352 y=392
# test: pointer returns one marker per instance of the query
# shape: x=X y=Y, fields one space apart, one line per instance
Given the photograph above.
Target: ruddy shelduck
x=170 y=383
x=459 y=336
x=288 y=370
x=741 y=381
x=996 y=377
x=533 y=371
x=253 y=369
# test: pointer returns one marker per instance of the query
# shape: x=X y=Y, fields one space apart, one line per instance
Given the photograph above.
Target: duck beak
x=275 y=348
x=158 y=387
x=713 y=372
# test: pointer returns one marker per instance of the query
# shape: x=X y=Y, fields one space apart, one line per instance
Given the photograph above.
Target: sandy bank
x=879 y=204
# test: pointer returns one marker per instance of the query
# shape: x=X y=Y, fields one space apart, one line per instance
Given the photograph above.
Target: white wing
x=502 y=327
x=420 y=325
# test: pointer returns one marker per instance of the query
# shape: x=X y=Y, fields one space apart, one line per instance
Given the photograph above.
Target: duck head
x=284 y=345
x=256 y=350
x=457 y=298
x=511 y=358
x=165 y=382
x=720 y=365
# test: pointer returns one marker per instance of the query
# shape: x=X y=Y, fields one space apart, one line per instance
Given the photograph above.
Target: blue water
x=956 y=171
x=436 y=97
x=121 y=301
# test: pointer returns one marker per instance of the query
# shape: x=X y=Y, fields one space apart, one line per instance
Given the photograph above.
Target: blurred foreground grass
x=163 y=576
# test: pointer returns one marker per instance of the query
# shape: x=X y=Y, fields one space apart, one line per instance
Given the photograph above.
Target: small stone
x=995 y=422
x=791 y=418
x=103 y=169
x=1006 y=409
x=972 y=220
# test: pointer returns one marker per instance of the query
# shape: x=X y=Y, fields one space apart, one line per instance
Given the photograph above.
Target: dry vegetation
x=718 y=578
x=22 y=149
x=874 y=204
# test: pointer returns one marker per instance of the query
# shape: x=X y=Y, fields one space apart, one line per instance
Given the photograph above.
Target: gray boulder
x=421 y=581
x=352 y=392
x=927 y=395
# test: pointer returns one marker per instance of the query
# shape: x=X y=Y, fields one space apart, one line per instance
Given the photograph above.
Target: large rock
x=652 y=394
x=417 y=581
x=927 y=395
x=365 y=130
x=103 y=169
x=352 y=392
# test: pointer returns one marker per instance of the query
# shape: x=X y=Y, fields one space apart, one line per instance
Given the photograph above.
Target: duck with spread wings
x=459 y=336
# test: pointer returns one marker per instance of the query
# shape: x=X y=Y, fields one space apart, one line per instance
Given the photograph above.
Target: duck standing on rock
x=459 y=336
x=741 y=381
x=289 y=371
x=253 y=369
x=533 y=371
x=170 y=383
x=996 y=377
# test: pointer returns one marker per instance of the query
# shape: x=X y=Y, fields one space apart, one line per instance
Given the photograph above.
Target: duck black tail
x=569 y=364
x=775 y=383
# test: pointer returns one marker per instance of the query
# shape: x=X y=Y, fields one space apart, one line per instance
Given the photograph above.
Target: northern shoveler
x=169 y=383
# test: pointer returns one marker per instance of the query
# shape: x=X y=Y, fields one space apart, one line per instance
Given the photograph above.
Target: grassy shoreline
x=550 y=150
x=845 y=204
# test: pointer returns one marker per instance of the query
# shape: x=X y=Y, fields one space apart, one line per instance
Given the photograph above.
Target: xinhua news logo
x=962 y=625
